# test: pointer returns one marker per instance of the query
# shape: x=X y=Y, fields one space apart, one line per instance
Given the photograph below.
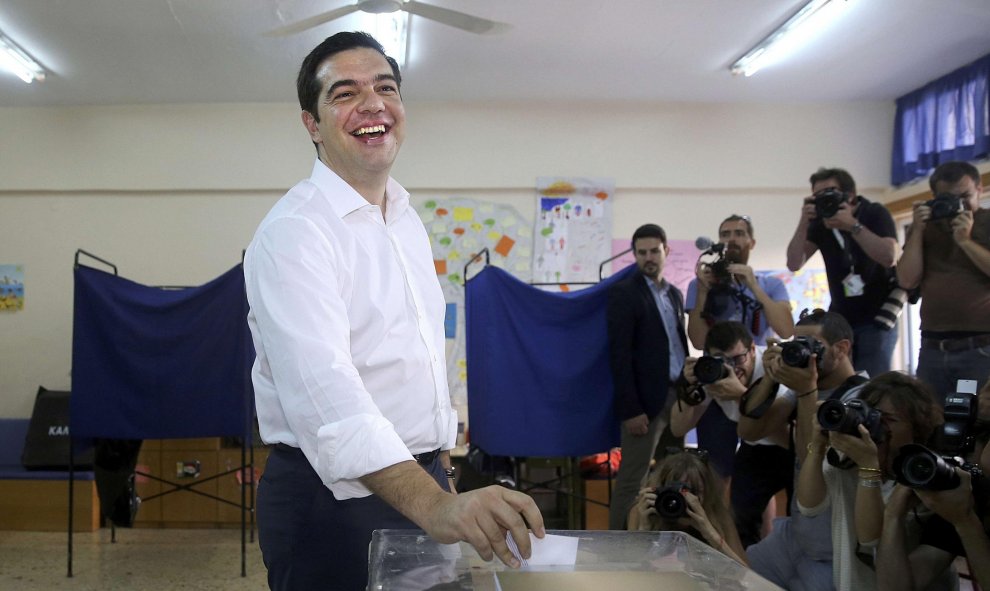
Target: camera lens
x=795 y=354
x=831 y=415
x=918 y=469
x=709 y=369
x=671 y=504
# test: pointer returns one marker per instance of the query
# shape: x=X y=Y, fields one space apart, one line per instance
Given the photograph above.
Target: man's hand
x=962 y=226
x=704 y=274
x=728 y=388
x=688 y=370
x=920 y=214
x=902 y=499
x=482 y=517
x=743 y=273
x=808 y=211
x=638 y=425
x=843 y=219
x=799 y=379
x=955 y=505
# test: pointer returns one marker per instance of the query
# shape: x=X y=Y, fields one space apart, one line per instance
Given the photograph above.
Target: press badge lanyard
x=852 y=285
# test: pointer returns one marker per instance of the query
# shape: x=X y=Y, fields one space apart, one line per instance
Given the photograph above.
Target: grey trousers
x=637 y=451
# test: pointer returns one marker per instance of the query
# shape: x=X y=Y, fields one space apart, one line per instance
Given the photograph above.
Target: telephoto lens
x=919 y=467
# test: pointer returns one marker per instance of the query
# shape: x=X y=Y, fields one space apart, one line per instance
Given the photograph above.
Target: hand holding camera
x=954 y=505
x=796 y=371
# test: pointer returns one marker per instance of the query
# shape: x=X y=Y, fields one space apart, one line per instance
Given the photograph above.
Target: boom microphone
x=703 y=243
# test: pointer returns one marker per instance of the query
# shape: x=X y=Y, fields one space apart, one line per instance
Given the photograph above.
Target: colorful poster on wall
x=808 y=288
x=678 y=268
x=11 y=288
x=459 y=229
x=572 y=233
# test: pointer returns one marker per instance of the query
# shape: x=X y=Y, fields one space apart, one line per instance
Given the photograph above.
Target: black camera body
x=718 y=265
x=944 y=206
x=670 y=503
x=846 y=417
x=919 y=467
x=710 y=369
x=828 y=202
x=956 y=435
x=797 y=352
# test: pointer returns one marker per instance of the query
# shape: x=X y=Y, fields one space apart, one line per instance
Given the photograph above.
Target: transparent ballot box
x=409 y=560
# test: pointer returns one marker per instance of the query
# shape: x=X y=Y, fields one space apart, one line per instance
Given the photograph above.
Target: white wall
x=172 y=194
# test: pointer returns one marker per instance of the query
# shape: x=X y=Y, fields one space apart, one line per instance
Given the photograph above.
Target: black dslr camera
x=944 y=206
x=710 y=369
x=846 y=417
x=828 y=202
x=798 y=351
x=919 y=467
x=718 y=264
x=670 y=503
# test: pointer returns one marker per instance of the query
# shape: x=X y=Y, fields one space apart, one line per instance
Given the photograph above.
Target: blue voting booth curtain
x=947 y=119
x=152 y=363
x=539 y=380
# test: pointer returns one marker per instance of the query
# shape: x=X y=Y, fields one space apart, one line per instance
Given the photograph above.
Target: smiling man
x=347 y=320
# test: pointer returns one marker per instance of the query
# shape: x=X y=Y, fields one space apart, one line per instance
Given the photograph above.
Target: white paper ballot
x=550 y=551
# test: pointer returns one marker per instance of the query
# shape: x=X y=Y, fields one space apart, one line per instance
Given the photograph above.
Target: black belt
x=426 y=458
x=958 y=344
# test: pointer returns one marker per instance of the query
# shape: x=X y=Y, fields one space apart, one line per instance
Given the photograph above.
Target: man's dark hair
x=649 y=231
x=738 y=218
x=725 y=334
x=846 y=183
x=834 y=326
x=952 y=173
x=309 y=85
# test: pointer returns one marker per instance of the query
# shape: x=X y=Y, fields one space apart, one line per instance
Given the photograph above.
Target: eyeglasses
x=733 y=361
x=815 y=314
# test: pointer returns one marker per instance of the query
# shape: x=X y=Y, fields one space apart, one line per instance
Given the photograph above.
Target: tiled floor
x=140 y=560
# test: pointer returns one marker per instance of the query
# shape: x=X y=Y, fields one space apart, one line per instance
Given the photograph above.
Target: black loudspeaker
x=46 y=446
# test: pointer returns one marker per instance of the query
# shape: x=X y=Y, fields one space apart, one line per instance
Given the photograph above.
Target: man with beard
x=758 y=301
x=761 y=467
x=647 y=347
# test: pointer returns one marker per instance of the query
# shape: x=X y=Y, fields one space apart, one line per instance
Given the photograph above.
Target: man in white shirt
x=347 y=320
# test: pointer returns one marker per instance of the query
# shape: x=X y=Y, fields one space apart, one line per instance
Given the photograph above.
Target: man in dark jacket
x=647 y=344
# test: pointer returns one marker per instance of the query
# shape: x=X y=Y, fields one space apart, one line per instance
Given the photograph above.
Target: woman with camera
x=849 y=466
x=684 y=494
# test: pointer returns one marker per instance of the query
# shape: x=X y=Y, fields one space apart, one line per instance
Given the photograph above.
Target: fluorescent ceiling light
x=798 y=30
x=16 y=60
x=390 y=29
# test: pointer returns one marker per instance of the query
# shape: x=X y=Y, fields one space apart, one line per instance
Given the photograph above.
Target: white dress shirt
x=347 y=320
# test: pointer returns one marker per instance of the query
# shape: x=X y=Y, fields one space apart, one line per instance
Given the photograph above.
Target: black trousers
x=309 y=540
x=760 y=471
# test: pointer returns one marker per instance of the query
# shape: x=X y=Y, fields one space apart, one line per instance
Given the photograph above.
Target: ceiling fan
x=453 y=18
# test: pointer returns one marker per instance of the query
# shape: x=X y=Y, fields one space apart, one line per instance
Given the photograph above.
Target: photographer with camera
x=683 y=493
x=727 y=288
x=865 y=432
x=858 y=242
x=944 y=496
x=947 y=253
x=815 y=366
x=758 y=469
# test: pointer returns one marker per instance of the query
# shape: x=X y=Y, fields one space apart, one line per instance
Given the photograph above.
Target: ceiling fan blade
x=312 y=21
x=472 y=24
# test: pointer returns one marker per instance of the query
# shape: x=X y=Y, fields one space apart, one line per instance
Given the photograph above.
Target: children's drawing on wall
x=808 y=288
x=459 y=229
x=573 y=229
x=11 y=288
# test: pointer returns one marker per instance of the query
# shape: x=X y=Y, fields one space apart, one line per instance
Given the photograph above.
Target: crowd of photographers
x=882 y=471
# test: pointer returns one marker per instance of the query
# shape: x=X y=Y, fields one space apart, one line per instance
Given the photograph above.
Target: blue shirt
x=661 y=295
x=744 y=312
